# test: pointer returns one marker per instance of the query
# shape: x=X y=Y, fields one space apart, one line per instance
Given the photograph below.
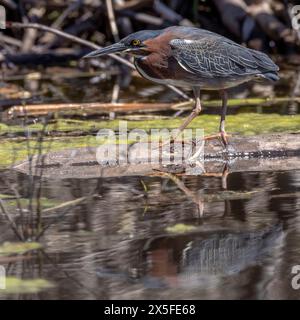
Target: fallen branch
x=43 y=109
x=104 y=108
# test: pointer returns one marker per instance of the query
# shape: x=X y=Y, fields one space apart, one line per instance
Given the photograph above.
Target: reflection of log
x=256 y=153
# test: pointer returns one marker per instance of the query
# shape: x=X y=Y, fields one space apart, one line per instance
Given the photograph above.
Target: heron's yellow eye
x=135 y=42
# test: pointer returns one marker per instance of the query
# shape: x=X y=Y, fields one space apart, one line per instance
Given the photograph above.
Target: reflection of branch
x=197 y=200
x=83 y=42
x=19 y=205
x=67 y=206
x=41 y=161
x=10 y=220
x=35 y=191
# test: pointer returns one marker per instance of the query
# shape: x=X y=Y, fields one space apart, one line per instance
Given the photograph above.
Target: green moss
x=249 y=123
x=180 y=228
x=8 y=248
x=16 y=285
x=3 y=127
x=255 y=123
x=6 y=196
x=12 y=150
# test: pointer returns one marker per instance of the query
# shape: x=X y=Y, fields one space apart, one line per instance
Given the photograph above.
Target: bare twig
x=112 y=20
x=10 y=40
x=133 y=4
x=72 y=6
x=31 y=34
x=143 y=17
x=48 y=38
x=83 y=42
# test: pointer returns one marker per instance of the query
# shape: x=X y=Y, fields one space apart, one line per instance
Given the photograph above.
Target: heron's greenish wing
x=219 y=57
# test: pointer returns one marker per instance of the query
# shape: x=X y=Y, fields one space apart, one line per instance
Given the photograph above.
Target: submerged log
x=256 y=153
x=94 y=107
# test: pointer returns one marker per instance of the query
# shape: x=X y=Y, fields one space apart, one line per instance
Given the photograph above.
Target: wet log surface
x=275 y=152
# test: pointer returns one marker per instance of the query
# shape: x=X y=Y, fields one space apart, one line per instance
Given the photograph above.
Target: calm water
x=123 y=243
x=144 y=238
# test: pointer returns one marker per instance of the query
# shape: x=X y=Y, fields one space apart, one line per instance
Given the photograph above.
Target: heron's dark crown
x=141 y=36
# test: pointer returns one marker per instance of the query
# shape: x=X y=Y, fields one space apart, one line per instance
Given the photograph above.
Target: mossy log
x=274 y=152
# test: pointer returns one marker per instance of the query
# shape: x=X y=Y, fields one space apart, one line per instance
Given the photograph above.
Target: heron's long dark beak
x=114 y=48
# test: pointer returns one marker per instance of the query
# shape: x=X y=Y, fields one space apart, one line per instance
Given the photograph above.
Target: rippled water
x=143 y=238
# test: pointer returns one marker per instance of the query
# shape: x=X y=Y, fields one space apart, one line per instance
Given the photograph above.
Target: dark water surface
x=143 y=237
x=128 y=243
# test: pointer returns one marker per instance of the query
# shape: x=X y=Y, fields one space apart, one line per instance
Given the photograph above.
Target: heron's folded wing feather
x=219 y=57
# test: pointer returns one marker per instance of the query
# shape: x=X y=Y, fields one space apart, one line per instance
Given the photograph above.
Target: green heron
x=197 y=58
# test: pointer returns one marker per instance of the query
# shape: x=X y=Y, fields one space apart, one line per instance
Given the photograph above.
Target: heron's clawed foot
x=222 y=136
